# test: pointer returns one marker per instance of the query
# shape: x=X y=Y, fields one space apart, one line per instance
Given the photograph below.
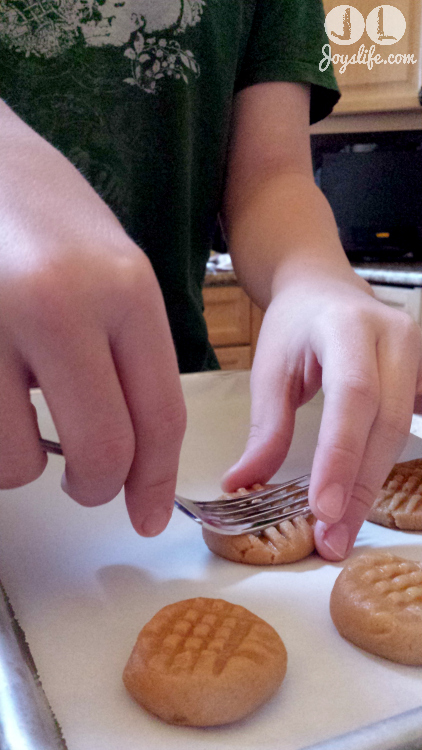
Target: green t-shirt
x=138 y=95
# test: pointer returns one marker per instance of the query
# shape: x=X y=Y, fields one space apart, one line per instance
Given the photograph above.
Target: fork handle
x=50 y=446
x=187 y=512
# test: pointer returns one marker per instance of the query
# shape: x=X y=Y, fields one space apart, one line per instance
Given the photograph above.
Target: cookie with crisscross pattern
x=203 y=662
x=399 y=503
x=376 y=603
x=286 y=542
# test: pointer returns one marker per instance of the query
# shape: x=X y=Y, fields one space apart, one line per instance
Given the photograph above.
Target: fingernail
x=233 y=467
x=64 y=484
x=337 y=539
x=331 y=501
x=155 y=523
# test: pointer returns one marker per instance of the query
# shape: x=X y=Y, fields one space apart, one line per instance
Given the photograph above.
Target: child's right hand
x=82 y=313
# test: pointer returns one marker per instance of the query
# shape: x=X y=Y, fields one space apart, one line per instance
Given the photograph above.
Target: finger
x=21 y=457
x=399 y=358
x=83 y=393
x=146 y=362
x=275 y=393
x=352 y=393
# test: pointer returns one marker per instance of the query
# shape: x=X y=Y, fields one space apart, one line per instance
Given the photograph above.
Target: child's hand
x=368 y=359
x=82 y=313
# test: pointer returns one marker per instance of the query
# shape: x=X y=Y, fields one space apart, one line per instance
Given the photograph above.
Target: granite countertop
x=220 y=278
x=395 y=274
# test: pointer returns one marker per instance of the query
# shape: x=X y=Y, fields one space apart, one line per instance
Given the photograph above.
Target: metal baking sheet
x=82 y=585
x=401 y=732
x=26 y=718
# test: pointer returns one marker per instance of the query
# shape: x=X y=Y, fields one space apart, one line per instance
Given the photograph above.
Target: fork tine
x=274 y=504
x=251 y=512
x=259 y=525
x=251 y=515
x=257 y=495
x=267 y=521
x=279 y=512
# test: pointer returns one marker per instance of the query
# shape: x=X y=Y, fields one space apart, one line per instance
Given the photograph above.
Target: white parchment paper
x=83 y=584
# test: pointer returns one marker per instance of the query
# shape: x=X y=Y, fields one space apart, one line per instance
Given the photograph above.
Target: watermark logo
x=344 y=24
x=385 y=24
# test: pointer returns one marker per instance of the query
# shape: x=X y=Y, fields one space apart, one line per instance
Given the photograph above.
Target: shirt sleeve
x=285 y=44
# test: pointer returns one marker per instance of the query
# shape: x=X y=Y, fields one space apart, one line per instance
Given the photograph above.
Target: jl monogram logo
x=385 y=24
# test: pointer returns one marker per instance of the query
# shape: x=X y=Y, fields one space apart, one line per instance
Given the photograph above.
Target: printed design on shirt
x=39 y=27
x=146 y=29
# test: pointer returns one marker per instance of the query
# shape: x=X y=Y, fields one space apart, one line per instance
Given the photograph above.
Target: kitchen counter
x=396 y=274
x=220 y=278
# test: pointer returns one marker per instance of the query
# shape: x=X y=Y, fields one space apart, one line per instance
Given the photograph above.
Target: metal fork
x=249 y=513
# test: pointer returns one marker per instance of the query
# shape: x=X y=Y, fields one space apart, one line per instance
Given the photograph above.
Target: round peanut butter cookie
x=286 y=542
x=376 y=603
x=399 y=503
x=203 y=662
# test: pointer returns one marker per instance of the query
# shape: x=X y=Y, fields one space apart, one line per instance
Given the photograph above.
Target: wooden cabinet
x=234 y=357
x=233 y=323
x=392 y=84
x=227 y=312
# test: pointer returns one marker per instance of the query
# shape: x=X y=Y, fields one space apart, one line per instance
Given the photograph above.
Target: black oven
x=375 y=192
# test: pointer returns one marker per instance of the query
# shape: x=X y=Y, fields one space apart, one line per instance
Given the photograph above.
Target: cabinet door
x=234 y=357
x=228 y=315
x=402 y=298
x=387 y=86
